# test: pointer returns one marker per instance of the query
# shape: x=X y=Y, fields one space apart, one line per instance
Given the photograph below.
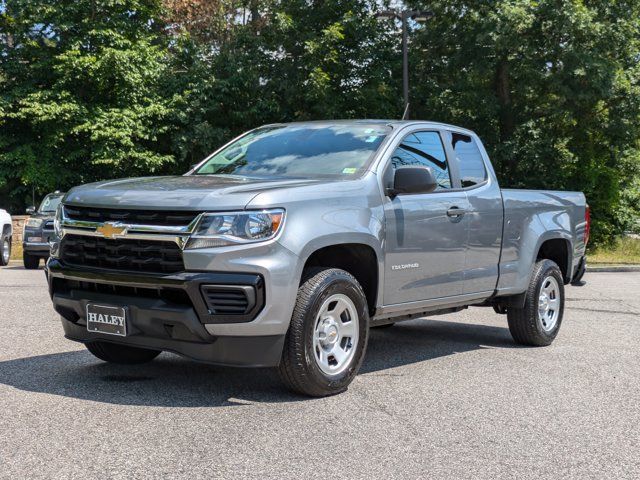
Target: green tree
x=281 y=61
x=551 y=86
x=80 y=97
x=94 y=89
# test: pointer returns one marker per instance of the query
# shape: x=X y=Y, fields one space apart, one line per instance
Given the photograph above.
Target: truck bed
x=530 y=218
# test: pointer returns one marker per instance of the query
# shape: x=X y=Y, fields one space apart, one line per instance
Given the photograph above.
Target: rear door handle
x=456 y=212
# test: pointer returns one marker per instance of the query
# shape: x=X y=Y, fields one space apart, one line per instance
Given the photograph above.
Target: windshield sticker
x=349 y=171
x=371 y=139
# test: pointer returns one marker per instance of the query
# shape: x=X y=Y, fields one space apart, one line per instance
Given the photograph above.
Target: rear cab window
x=473 y=171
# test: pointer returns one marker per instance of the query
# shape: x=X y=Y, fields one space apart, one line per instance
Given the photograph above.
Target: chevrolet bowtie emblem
x=112 y=230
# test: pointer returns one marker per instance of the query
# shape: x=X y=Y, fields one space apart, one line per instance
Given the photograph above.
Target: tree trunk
x=254 y=8
x=506 y=116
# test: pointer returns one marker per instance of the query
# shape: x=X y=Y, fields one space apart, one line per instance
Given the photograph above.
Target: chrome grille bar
x=133 y=231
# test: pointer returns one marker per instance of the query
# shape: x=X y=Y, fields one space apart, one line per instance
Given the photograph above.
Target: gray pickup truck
x=285 y=246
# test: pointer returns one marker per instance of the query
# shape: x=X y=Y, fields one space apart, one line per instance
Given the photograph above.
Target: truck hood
x=177 y=193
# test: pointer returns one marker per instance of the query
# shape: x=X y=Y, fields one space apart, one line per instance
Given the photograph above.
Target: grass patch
x=624 y=251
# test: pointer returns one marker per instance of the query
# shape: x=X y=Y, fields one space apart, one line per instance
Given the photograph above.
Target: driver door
x=425 y=237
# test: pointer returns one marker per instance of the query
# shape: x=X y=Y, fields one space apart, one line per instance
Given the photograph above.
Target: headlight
x=57 y=222
x=34 y=223
x=233 y=228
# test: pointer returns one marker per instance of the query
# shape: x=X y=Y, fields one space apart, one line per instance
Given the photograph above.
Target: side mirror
x=31 y=210
x=412 y=179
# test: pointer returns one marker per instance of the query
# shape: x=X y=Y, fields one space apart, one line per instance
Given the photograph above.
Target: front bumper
x=40 y=249
x=166 y=312
x=228 y=351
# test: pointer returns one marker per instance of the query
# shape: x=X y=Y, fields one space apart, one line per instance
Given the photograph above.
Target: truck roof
x=387 y=122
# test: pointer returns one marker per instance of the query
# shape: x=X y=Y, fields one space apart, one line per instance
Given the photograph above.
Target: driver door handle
x=456 y=212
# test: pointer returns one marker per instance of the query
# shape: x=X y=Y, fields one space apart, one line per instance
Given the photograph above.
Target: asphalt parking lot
x=447 y=397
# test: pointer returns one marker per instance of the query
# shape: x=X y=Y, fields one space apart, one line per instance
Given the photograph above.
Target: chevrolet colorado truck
x=38 y=230
x=285 y=246
x=6 y=233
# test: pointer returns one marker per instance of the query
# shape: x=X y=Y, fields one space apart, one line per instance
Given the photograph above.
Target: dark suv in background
x=38 y=230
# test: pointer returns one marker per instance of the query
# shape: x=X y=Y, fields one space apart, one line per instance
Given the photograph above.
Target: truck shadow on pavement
x=171 y=381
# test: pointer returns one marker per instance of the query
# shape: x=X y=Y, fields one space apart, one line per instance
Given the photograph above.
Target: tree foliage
x=93 y=89
x=81 y=97
x=552 y=88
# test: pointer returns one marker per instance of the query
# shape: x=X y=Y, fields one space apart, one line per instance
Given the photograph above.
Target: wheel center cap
x=331 y=334
x=544 y=302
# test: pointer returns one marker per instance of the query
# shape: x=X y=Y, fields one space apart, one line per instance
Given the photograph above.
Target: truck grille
x=139 y=217
x=122 y=254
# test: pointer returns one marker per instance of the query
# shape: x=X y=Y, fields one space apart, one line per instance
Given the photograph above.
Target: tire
x=5 y=251
x=30 y=262
x=122 y=354
x=527 y=325
x=311 y=362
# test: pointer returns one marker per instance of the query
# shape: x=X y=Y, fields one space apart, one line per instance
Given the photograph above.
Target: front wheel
x=123 y=354
x=538 y=322
x=328 y=335
x=31 y=262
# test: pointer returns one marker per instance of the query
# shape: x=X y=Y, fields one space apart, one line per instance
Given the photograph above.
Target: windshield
x=50 y=204
x=299 y=151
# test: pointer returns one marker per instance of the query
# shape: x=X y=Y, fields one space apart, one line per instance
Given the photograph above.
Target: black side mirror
x=412 y=179
x=31 y=210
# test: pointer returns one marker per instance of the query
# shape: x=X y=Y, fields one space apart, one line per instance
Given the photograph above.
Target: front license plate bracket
x=108 y=319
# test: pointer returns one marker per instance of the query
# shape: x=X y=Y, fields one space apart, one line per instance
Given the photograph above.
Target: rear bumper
x=165 y=312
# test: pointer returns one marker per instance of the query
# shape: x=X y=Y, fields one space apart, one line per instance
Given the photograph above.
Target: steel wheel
x=6 y=251
x=549 y=303
x=335 y=336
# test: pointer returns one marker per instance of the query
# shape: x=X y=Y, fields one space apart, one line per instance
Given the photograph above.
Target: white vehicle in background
x=5 y=237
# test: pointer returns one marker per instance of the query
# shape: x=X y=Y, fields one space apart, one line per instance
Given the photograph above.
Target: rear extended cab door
x=485 y=214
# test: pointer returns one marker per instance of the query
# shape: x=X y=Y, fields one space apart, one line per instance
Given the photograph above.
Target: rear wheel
x=5 y=251
x=31 y=262
x=328 y=335
x=123 y=354
x=538 y=322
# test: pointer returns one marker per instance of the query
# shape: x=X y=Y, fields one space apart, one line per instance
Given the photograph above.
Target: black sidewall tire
x=298 y=368
x=549 y=269
x=525 y=326
x=2 y=246
x=31 y=262
x=121 y=354
x=341 y=381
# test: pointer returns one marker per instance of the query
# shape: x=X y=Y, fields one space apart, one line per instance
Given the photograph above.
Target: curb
x=613 y=268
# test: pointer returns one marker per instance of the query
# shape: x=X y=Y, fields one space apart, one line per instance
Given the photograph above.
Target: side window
x=469 y=158
x=424 y=148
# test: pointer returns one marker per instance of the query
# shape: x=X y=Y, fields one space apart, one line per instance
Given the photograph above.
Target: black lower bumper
x=238 y=351
x=165 y=312
x=36 y=249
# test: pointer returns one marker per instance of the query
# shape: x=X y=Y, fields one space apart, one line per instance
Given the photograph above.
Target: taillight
x=587 y=227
